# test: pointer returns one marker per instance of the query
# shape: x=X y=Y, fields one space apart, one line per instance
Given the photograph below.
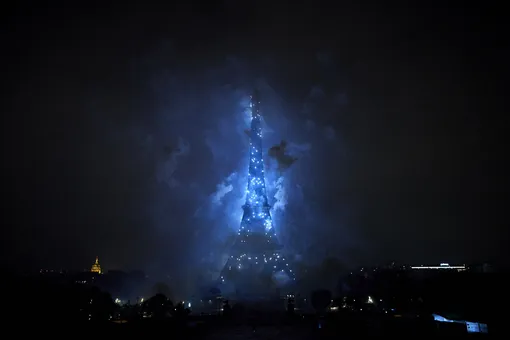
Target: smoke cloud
x=171 y=154
x=191 y=159
x=280 y=196
x=222 y=189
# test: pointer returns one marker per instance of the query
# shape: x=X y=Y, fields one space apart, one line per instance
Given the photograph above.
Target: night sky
x=123 y=132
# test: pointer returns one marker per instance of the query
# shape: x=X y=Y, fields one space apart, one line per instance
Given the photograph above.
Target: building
x=96 y=267
x=471 y=327
x=256 y=267
x=442 y=266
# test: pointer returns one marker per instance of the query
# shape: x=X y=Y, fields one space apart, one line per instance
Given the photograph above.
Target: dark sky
x=122 y=125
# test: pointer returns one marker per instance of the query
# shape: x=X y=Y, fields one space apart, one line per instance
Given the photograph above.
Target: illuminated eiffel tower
x=255 y=266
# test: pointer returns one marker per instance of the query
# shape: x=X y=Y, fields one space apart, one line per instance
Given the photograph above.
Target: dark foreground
x=271 y=326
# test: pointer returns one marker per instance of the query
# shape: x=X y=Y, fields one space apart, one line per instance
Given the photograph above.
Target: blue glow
x=257 y=216
x=257 y=247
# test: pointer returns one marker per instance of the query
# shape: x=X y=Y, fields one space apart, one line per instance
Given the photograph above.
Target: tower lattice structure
x=256 y=265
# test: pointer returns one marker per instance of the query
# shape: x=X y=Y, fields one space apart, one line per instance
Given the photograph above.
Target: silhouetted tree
x=163 y=289
x=227 y=309
x=321 y=299
x=158 y=306
x=290 y=306
x=238 y=310
x=180 y=312
x=131 y=312
x=103 y=306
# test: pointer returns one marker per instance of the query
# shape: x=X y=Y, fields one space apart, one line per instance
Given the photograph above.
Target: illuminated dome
x=96 y=268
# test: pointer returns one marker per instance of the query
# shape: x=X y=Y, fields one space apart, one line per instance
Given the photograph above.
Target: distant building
x=471 y=327
x=442 y=266
x=96 y=268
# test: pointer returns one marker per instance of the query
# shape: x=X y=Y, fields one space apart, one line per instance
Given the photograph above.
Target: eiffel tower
x=256 y=266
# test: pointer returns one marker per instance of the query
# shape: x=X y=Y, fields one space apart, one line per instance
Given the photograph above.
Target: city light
x=442 y=266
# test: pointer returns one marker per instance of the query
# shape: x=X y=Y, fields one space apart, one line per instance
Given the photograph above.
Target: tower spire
x=257 y=216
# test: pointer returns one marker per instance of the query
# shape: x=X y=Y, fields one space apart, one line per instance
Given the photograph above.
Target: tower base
x=255 y=286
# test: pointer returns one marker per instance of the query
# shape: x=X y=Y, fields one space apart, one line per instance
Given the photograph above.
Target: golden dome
x=96 y=268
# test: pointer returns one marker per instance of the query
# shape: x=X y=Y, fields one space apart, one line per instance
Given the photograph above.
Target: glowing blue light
x=257 y=217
